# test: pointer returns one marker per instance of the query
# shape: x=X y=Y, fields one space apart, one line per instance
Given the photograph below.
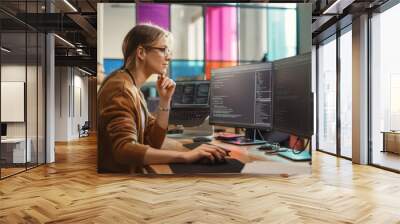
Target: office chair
x=84 y=130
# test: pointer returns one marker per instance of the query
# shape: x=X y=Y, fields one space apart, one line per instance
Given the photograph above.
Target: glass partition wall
x=334 y=59
x=385 y=90
x=22 y=77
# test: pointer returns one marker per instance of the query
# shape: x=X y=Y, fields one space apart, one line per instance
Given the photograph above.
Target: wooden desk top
x=391 y=132
x=256 y=161
x=13 y=140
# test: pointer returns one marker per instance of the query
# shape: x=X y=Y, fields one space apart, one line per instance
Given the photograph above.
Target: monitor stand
x=249 y=139
x=245 y=141
x=298 y=156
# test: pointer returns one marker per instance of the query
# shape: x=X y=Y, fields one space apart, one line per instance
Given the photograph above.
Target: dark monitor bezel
x=3 y=125
x=242 y=68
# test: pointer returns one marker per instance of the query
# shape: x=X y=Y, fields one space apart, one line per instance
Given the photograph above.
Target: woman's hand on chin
x=165 y=88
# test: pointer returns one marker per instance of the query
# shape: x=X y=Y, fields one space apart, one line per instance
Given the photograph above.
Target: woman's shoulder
x=118 y=79
x=117 y=82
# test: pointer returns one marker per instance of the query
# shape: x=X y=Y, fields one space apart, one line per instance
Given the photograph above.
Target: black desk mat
x=230 y=166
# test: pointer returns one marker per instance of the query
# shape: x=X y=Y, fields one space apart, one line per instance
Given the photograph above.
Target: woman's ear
x=141 y=53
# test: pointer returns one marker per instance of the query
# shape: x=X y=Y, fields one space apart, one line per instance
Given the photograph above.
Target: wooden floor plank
x=71 y=191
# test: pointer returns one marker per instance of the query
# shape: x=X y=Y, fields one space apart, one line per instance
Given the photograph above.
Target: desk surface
x=256 y=161
x=13 y=140
x=390 y=132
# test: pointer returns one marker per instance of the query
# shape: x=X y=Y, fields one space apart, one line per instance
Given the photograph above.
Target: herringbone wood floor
x=70 y=191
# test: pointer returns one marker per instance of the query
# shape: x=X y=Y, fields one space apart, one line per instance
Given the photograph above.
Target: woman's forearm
x=156 y=156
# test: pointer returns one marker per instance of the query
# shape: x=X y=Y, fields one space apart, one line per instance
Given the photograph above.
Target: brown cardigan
x=121 y=139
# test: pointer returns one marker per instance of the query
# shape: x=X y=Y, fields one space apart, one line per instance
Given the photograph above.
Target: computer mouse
x=266 y=147
x=202 y=139
x=175 y=131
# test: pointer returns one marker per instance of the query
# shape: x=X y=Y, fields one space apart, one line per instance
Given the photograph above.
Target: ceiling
x=76 y=20
x=330 y=15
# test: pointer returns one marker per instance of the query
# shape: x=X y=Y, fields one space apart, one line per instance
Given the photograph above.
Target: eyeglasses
x=165 y=50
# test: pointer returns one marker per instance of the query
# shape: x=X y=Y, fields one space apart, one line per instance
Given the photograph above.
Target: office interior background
x=44 y=95
x=31 y=54
x=49 y=78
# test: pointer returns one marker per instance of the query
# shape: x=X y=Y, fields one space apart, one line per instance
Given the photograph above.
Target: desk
x=256 y=161
x=13 y=150
x=391 y=141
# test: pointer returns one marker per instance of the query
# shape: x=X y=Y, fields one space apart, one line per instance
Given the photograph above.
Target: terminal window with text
x=242 y=96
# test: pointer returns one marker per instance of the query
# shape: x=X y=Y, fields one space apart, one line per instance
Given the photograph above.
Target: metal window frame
x=339 y=32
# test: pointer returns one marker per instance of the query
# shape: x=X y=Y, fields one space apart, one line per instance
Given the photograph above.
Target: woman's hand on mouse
x=165 y=88
x=211 y=152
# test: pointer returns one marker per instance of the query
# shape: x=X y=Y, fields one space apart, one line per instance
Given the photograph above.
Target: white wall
x=12 y=73
x=71 y=94
x=80 y=103
x=187 y=26
x=62 y=82
x=118 y=19
x=33 y=127
x=251 y=46
x=50 y=94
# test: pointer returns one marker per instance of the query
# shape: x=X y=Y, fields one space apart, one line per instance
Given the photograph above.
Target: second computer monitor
x=241 y=96
x=189 y=94
x=190 y=106
x=293 y=97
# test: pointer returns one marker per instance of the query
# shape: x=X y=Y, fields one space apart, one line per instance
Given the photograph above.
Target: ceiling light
x=86 y=72
x=70 y=5
x=5 y=50
x=338 y=6
x=333 y=6
x=65 y=41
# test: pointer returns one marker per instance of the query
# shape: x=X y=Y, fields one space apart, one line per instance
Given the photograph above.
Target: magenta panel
x=157 y=14
x=221 y=33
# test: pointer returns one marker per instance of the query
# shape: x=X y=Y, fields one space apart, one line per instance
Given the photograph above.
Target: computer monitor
x=242 y=96
x=3 y=129
x=293 y=97
x=190 y=103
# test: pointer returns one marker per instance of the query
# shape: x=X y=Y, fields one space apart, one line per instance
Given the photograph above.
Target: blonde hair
x=140 y=35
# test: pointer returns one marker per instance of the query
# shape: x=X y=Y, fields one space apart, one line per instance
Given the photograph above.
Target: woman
x=128 y=136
